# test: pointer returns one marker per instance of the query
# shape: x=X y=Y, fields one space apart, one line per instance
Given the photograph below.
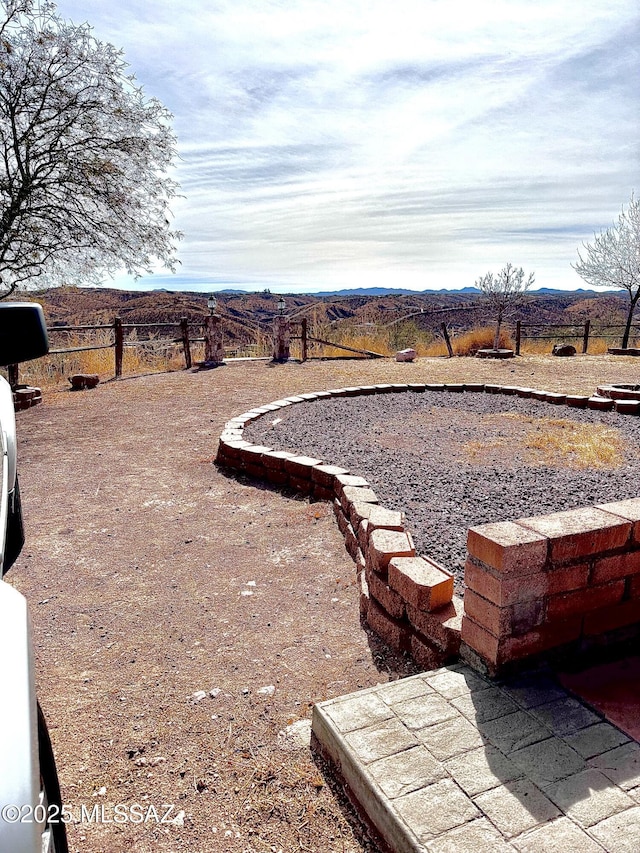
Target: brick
x=325 y=475
x=390 y=519
x=508 y=547
x=364 y=597
x=504 y=591
x=525 y=393
x=577 y=533
x=477 y=387
x=504 y=621
x=233 y=449
x=279 y=478
x=567 y=578
x=350 y=541
x=300 y=485
x=362 y=534
x=556 y=399
x=253 y=455
x=601 y=404
x=627 y=407
x=578 y=602
x=359 y=510
x=601 y=621
x=494 y=619
x=421 y=582
x=320 y=493
x=454 y=386
x=350 y=494
x=384 y=545
x=426 y=655
x=395 y=632
x=255 y=471
x=275 y=459
x=633 y=587
x=629 y=510
x=342 y=480
x=481 y=641
x=435 y=386
x=301 y=466
x=386 y=597
x=577 y=401
x=442 y=627
x=341 y=519
x=618 y=566
x=547 y=636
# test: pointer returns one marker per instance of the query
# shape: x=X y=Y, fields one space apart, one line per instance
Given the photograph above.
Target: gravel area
x=452 y=460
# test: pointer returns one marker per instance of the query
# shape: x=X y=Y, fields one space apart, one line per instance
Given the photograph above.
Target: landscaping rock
x=563 y=350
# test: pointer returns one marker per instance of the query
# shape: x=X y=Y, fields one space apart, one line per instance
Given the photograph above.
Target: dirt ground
x=151 y=576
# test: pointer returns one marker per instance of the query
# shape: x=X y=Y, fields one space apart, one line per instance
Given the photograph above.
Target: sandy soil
x=151 y=576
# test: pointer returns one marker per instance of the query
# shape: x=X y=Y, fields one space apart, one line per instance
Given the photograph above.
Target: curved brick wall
x=532 y=585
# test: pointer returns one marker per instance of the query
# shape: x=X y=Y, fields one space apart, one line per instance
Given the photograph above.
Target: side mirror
x=23 y=332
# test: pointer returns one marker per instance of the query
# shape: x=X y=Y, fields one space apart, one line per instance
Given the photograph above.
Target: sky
x=329 y=144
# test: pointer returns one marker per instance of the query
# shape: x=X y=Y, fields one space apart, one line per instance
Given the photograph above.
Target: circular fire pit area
x=465 y=459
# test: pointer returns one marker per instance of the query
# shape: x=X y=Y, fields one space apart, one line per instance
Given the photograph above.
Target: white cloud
x=417 y=144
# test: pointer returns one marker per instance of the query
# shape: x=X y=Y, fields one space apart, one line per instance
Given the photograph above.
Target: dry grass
x=149 y=356
x=577 y=445
x=553 y=442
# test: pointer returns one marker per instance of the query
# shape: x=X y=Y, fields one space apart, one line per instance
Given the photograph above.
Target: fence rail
x=580 y=330
x=190 y=332
x=119 y=341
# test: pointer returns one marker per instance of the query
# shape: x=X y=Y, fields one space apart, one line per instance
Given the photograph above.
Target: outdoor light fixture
x=211 y=304
x=281 y=305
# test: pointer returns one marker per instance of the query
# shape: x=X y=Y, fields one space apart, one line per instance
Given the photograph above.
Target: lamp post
x=213 y=347
x=281 y=333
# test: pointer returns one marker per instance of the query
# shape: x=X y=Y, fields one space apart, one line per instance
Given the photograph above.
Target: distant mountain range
x=402 y=291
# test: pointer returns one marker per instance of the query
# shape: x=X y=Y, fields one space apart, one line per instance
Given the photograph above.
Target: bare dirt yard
x=151 y=576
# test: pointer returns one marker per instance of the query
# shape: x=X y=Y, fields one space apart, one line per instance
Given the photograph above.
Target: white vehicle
x=30 y=806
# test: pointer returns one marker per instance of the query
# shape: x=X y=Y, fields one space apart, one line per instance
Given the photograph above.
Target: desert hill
x=247 y=313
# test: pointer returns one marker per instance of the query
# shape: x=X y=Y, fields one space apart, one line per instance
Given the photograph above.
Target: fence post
x=303 y=336
x=184 y=330
x=13 y=376
x=445 y=334
x=118 y=332
x=585 y=339
x=518 y=336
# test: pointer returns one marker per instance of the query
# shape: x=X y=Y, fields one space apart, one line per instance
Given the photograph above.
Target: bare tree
x=613 y=259
x=84 y=156
x=503 y=292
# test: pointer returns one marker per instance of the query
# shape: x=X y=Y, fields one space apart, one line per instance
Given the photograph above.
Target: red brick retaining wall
x=533 y=585
x=550 y=581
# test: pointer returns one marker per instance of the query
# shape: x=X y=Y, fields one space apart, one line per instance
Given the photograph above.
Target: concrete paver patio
x=450 y=762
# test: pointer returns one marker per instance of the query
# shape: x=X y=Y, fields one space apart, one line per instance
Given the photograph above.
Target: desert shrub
x=470 y=342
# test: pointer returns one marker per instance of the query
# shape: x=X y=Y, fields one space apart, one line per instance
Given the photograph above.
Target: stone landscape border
x=560 y=581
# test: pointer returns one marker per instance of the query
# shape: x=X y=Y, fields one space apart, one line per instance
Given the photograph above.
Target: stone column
x=213 y=347
x=281 y=338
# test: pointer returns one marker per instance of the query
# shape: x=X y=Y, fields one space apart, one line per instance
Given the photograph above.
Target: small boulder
x=80 y=381
x=563 y=350
x=406 y=354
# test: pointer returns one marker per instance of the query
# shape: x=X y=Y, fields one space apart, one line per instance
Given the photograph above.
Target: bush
x=470 y=342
